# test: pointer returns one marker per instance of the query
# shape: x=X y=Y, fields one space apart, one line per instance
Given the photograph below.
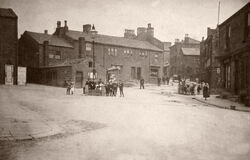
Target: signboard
x=9 y=74
x=21 y=74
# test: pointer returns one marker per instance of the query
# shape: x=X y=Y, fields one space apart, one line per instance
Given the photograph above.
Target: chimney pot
x=46 y=31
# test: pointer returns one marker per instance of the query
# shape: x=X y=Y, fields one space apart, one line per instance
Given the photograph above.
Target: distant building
x=209 y=64
x=8 y=44
x=166 y=59
x=66 y=54
x=234 y=53
x=185 y=58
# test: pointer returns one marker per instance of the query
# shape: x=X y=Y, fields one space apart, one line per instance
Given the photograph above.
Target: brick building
x=209 y=64
x=234 y=53
x=83 y=52
x=185 y=58
x=8 y=43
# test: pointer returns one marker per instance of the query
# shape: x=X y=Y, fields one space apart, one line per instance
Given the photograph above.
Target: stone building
x=185 y=58
x=87 y=53
x=8 y=45
x=166 y=59
x=209 y=64
x=234 y=53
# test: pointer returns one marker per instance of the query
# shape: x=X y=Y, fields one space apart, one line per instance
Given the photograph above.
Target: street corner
x=18 y=130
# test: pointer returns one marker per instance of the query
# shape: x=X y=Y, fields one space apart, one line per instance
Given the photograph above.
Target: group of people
x=194 y=88
x=108 y=89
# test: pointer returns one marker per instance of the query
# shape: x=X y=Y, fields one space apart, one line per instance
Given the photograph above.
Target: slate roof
x=191 y=51
x=112 y=40
x=194 y=41
x=7 y=12
x=53 y=39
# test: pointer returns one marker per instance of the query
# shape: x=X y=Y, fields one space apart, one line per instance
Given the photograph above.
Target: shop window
x=154 y=72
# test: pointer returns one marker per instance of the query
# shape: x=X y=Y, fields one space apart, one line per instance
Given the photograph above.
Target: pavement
x=222 y=103
x=19 y=123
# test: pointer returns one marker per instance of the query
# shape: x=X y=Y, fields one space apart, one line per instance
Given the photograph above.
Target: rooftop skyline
x=170 y=19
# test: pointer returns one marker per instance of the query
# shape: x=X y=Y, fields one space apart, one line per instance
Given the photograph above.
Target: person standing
x=72 y=88
x=159 y=81
x=206 y=91
x=68 y=88
x=115 y=86
x=121 y=89
x=167 y=79
x=142 y=83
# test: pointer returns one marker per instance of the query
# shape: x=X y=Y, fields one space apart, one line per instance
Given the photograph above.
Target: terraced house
x=234 y=54
x=66 y=54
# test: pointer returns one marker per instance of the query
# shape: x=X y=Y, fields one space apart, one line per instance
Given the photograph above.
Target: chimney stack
x=58 y=24
x=150 y=30
x=86 y=28
x=186 y=39
x=65 y=23
x=45 y=31
x=129 y=33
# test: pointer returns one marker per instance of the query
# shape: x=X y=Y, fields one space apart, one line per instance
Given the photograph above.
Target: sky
x=171 y=19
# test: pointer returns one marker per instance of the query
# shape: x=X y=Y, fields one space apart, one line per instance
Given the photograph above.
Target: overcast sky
x=171 y=19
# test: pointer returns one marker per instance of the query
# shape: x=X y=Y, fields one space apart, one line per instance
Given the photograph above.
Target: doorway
x=79 y=79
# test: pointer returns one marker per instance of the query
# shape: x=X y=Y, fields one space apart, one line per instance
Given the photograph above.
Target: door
x=79 y=79
x=138 y=72
x=9 y=74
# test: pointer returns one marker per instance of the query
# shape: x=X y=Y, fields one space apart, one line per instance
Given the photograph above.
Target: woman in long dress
x=206 y=91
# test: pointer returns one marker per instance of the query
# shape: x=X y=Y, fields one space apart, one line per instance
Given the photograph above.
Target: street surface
x=150 y=124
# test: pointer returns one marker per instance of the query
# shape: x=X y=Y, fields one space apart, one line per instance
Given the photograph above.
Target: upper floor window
x=143 y=53
x=88 y=46
x=58 y=55
x=228 y=35
x=127 y=52
x=51 y=56
x=247 y=27
x=90 y=64
x=112 y=52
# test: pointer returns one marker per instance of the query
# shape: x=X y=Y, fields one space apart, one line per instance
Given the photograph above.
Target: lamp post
x=93 y=34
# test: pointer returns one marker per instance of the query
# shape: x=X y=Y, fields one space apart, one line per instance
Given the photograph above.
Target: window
x=112 y=51
x=248 y=19
x=58 y=55
x=109 y=51
x=154 y=72
x=90 y=64
x=247 y=27
x=156 y=57
x=88 y=46
x=228 y=34
x=51 y=56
